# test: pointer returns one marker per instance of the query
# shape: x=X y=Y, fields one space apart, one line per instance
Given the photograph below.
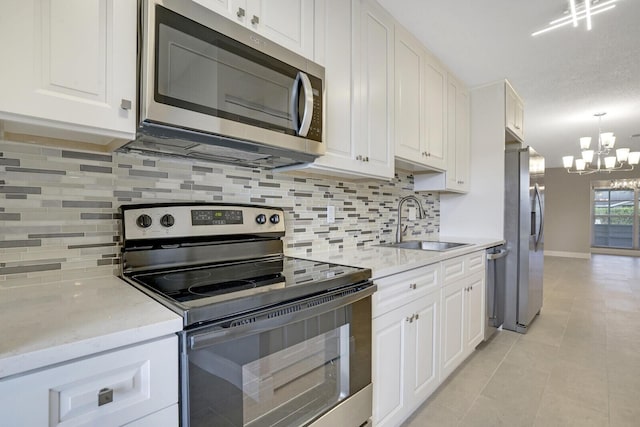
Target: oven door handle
x=276 y=317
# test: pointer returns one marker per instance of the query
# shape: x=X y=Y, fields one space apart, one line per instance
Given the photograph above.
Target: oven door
x=286 y=366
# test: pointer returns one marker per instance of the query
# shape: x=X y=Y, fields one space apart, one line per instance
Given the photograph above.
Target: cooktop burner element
x=213 y=261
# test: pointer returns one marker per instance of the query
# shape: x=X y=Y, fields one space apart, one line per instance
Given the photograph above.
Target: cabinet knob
x=240 y=12
x=412 y=286
x=125 y=104
x=417 y=316
x=366 y=159
x=255 y=20
x=410 y=319
x=358 y=157
x=105 y=396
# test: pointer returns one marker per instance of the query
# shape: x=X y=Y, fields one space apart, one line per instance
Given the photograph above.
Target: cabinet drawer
x=475 y=262
x=452 y=270
x=457 y=268
x=399 y=289
x=109 y=389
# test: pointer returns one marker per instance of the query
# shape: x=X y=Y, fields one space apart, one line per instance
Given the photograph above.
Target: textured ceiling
x=564 y=76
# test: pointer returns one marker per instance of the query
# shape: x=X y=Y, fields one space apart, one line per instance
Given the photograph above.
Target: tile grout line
x=488 y=380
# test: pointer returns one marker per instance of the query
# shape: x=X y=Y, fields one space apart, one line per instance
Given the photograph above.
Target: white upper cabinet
x=420 y=106
x=435 y=78
x=286 y=22
x=354 y=41
x=409 y=98
x=514 y=113
x=71 y=70
x=458 y=136
x=373 y=53
x=456 y=177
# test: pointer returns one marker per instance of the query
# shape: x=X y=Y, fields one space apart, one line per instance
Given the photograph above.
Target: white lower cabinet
x=426 y=322
x=405 y=359
x=452 y=343
x=135 y=386
x=463 y=309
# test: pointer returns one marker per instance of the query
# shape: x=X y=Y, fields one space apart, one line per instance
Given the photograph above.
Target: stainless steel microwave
x=211 y=89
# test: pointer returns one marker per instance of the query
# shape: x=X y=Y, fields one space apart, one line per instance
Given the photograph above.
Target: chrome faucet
x=421 y=215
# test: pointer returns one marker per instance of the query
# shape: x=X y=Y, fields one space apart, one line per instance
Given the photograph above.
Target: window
x=615 y=218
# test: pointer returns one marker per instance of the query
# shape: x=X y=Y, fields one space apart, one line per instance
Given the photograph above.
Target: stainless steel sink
x=426 y=245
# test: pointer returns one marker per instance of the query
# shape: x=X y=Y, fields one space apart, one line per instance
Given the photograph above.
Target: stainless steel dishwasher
x=495 y=289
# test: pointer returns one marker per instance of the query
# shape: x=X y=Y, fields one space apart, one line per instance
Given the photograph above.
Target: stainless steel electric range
x=268 y=340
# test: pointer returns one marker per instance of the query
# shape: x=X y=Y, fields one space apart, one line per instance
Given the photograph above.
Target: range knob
x=275 y=218
x=261 y=219
x=167 y=220
x=144 y=221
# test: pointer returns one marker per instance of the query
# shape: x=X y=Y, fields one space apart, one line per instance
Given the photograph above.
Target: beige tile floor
x=579 y=364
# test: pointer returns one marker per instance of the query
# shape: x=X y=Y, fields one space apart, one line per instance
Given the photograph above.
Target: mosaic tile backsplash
x=59 y=215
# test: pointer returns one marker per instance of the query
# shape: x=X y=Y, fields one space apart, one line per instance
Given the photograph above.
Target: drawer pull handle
x=412 y=286
x=255 y=20
x=105 y=396
x=410 y=319
x=240 y=12
x=417 y=316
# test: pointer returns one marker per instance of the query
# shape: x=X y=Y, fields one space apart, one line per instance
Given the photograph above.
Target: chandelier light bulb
x=587 y=156
x=567 y=161
x=634 y=157
x=608 y=139
x=585 y=142
x=622 y=154
x=610 y=162
x=580 y=164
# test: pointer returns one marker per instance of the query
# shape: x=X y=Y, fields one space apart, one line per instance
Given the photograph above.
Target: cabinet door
x=73 y=66
x=422 y=358
x=462 y=140
x=222 y=7
x=475 y=309
x=452 y=349
x=435 y=97
x=333 y=34
x=373 y=53
x=286 y=22
x=409 y=104
x=457 y=136
x=388 y=361
x=514 y=112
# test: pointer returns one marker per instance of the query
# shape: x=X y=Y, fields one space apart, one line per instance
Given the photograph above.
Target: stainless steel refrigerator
x=523 y=231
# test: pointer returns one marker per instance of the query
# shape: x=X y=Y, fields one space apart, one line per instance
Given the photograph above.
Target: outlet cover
x=331 y=214
x=412 y=214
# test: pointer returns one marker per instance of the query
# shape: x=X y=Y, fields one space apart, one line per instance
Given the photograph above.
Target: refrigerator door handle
x=540 y=229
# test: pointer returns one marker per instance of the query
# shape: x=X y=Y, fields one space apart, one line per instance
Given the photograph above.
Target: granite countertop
x=385 y=261
x=56 y=322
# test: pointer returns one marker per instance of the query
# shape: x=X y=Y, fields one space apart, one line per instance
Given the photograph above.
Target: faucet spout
x=421 y=214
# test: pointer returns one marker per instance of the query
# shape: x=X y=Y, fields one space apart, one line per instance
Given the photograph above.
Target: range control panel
x=169 y=221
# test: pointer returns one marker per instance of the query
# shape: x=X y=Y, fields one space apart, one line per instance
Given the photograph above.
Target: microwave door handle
x=302 y=128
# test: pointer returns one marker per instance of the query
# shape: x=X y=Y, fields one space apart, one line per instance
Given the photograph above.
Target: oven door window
x=199 y=69
x=285 y=376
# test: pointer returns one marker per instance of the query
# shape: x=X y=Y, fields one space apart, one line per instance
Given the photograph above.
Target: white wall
x=480 y=213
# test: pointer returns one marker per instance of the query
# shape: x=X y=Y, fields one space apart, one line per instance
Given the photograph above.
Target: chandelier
x=600 y=160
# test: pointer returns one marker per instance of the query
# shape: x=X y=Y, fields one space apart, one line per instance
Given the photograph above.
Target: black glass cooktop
x=243 y=286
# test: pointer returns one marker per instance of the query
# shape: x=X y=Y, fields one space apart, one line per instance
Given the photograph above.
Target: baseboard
x=567 y=254
x=614 y=251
